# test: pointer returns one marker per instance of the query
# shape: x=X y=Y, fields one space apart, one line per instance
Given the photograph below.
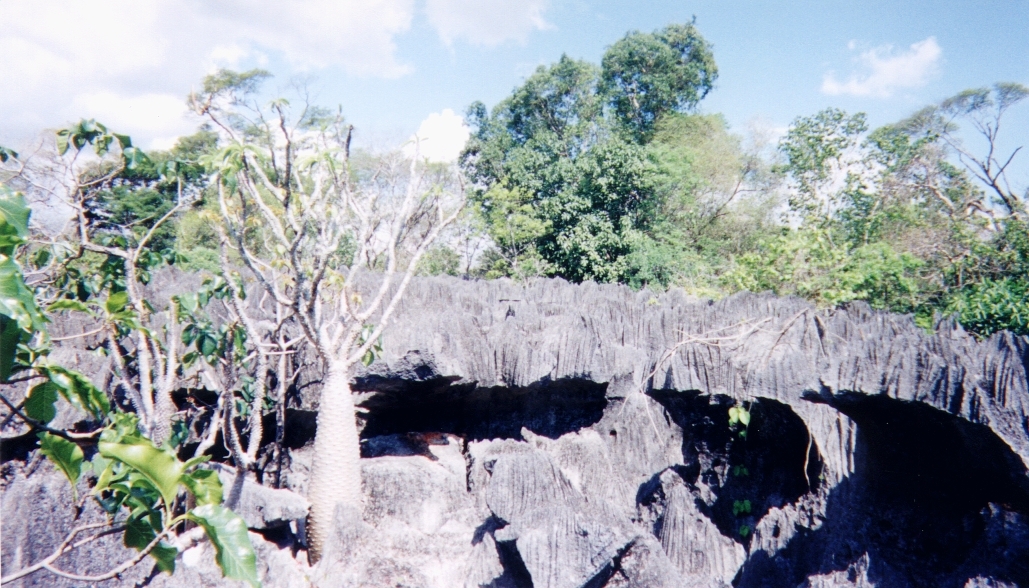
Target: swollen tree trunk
x=336 y=472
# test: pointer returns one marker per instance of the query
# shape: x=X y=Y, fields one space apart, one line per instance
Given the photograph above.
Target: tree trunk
x=336 y=472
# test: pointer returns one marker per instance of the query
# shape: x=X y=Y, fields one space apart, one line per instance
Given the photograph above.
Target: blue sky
x=392 y=63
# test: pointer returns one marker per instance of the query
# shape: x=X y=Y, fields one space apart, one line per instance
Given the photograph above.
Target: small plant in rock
x=739 y=418
x=741 y=507
x=739 y=423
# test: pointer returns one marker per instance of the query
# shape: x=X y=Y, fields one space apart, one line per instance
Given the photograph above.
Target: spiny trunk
x=336 y=472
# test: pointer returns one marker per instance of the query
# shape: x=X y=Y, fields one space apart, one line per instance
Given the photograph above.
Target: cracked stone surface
x=559 y=435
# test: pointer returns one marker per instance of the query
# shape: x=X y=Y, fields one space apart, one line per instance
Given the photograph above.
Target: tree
x=324 y=224
x=984 y=108
x=820 y=156
x=647 y=75
x=560 y=168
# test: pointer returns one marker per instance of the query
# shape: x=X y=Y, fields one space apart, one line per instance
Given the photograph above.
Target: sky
x=400 y=67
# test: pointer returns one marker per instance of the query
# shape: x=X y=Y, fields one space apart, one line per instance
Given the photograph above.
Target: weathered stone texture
x=558 y=435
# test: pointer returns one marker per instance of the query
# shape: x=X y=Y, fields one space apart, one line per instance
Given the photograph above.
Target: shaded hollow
x=547 y=408
x=910 y=451
x=774 y=464
x=934 y=500
x=925 y=479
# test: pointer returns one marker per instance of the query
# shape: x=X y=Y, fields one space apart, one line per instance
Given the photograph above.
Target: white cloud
x=127 y=60
x=159 y=118
x=884 y=71
x=486 y=23
x=440 y=137
x=131 y=63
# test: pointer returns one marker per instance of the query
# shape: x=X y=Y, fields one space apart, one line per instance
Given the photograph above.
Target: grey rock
x=260 y=506
x=586 y=443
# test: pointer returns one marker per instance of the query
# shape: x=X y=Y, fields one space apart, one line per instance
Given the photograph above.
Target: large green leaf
x=228 y=533
x=10 y=336
x=14 y=222
x=139 y=533
x=40 y=403
x=16 y=300
x=159 y=466
x=66 y=455
x=116 y=302
x=78 y=390
x=68 y=304
x=205 y=486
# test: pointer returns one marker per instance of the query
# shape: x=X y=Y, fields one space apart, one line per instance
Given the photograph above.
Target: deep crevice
x=515 y=575
x=770 y=458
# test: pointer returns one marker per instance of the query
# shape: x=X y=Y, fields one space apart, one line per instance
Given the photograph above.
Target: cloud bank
x=131 y=63
x=486 y=23
x=884 y=71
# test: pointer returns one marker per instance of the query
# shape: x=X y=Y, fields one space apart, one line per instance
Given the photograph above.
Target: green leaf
x=78 y=390
x=66 y=455
x=205 y=486
x=106 y=474
x=744 y=416
x=116 y=302
x=10 y=336
x=62 y=141
x=159 y=466
x=207 y=344
x=40 y=402
x=14 y=222
x=16 y=300
x=734 y=415
x=139 y=533
x=180 y=432
x=67 y=304
x=233 y=551
x=195 y=461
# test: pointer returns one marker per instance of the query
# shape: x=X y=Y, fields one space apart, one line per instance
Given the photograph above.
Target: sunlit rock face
x=557 y=435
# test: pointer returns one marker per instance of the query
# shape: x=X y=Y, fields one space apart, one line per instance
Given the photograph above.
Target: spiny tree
x=322 y=225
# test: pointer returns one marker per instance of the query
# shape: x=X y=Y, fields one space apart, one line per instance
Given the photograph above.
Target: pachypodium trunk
x=336 y=472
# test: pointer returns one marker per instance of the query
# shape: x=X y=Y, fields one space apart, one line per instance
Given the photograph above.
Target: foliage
x=139 y=484
x=992 y=305
x=566 y=185
x=647 y=75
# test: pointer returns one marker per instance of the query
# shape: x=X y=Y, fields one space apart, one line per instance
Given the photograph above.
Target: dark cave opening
x=774 y=464
x=934 y=500
x=928 y=484
x=548 y=408
x=912 y=453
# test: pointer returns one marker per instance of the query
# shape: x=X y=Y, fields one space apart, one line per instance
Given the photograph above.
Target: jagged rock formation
x=555 y=435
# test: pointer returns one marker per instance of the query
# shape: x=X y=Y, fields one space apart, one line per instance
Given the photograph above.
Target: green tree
x=567 y=150
x=647 y=75
x=140 y=482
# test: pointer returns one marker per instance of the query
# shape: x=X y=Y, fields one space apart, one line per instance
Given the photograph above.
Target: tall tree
x=563 y=159
x=646 y=75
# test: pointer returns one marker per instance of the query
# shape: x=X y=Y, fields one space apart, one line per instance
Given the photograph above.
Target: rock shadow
x=549 y=408
x=774 y=464
x=934 y=501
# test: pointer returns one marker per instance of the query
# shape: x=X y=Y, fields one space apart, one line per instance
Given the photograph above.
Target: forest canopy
x=613 y=172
